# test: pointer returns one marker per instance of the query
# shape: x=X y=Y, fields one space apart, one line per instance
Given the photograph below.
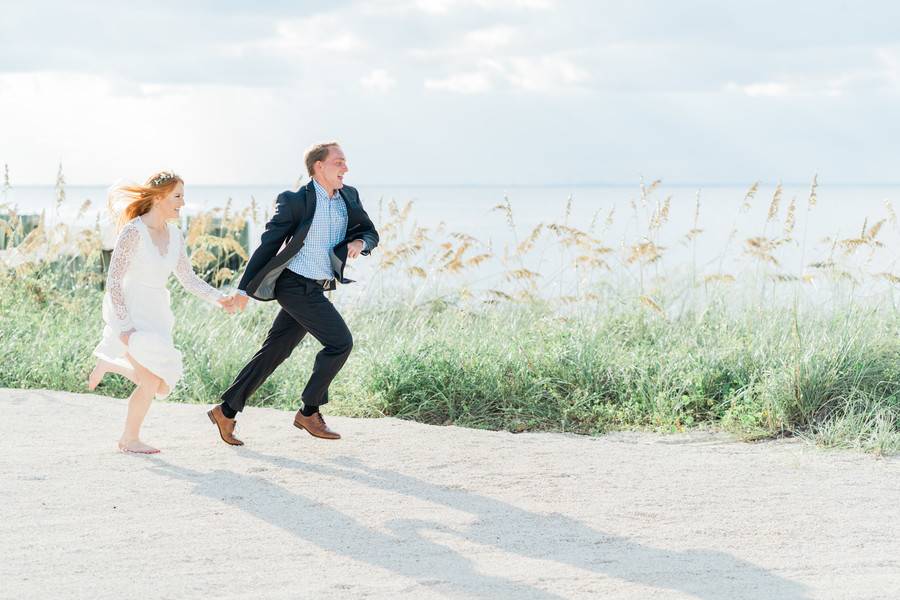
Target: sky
x=437 y=92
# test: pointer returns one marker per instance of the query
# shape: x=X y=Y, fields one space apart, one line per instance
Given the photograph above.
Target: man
x=301 y=255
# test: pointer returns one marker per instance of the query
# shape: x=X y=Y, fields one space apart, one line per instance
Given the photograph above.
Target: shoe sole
x=321 y=437
x=213 y=419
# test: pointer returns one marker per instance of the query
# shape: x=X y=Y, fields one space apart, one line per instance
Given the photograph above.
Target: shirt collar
x=321 y=191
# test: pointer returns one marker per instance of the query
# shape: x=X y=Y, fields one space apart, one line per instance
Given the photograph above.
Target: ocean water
x=617 y=217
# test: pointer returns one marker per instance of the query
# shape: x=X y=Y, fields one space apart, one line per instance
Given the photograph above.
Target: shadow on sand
x=497 y=527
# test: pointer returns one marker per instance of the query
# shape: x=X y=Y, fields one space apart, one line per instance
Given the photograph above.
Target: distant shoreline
x=553 y=185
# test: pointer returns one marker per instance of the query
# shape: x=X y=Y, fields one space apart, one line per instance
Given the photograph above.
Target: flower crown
x=163 y=178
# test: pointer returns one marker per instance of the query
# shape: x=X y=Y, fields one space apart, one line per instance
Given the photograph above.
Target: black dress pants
x=304 y=308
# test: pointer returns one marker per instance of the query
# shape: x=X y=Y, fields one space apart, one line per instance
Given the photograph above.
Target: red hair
x=158 y=185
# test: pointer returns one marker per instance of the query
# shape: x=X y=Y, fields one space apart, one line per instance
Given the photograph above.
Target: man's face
x=331 y=170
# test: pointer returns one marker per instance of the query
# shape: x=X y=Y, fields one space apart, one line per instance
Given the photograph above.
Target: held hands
x=354 y=248
x=233 y=303
x=240 y=300
x=227 y=304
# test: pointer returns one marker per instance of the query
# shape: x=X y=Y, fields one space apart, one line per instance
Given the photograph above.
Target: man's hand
x=354 y=248
x=240 y=300
x=125 y=336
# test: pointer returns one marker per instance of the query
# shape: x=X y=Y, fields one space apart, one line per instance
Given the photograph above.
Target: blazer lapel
x=354 y=213
x=293 y=245
x=264 y=283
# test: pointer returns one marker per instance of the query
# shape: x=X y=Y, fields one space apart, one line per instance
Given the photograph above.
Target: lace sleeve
x=124 y=251
x=184 y=271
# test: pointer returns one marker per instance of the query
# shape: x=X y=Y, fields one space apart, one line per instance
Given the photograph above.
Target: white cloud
x=255 y=73
x=309 y=36
x=378 y=80
x=889 y=59
x=471 y=47
x=500 y=56
x=545 y=74
x=461 y=83
x=768 y=88
x=489 y=39
x=433 y=6
x=851 y=82
x=787 y=88
x=443 y=7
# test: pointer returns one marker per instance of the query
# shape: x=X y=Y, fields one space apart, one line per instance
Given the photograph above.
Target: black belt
x=327 y=284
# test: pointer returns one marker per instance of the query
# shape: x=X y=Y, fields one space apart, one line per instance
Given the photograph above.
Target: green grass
x=775 y=335
x=834 y=378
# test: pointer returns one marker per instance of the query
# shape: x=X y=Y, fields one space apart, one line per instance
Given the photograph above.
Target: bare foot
x=100 y=369
x=137 y=447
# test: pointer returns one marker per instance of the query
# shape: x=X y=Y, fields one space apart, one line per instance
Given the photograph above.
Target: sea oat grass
x=602 y=336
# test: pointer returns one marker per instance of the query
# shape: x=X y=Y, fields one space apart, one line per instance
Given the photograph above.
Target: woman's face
x=171 y=204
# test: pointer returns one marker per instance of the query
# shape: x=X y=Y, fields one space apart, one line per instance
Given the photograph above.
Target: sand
x=402 y=510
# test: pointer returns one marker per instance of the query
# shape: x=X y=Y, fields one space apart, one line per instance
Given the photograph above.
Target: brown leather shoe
x=316 y=426
x=225 y=426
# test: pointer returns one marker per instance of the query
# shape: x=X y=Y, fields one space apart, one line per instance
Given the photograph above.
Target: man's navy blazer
x=286 y=231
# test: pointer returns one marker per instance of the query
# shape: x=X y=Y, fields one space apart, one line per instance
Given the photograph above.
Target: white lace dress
x=136 y=298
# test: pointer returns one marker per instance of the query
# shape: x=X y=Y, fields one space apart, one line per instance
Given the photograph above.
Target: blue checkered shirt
x=329 y=227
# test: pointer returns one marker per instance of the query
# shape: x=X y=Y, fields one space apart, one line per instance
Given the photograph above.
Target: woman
x=137 y=338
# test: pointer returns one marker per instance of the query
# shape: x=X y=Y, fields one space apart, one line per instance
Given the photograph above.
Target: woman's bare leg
x=103 y=367
x=138 y=405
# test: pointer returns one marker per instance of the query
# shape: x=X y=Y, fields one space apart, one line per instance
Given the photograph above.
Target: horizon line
x=612 y=184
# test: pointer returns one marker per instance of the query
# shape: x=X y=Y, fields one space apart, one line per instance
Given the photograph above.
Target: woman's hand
x=227 y=303
x=236 y=302
x=125 y=336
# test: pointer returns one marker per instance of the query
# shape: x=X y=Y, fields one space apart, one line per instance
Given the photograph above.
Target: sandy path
x=403 y=510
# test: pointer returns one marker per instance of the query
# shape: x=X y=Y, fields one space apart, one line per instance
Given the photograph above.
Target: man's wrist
x=240 y=292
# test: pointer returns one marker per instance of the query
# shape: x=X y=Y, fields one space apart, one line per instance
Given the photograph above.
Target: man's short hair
x=316 y=153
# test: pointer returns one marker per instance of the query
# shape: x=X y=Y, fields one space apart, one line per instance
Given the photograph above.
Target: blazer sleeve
x=278 y=229
x=365 y=230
